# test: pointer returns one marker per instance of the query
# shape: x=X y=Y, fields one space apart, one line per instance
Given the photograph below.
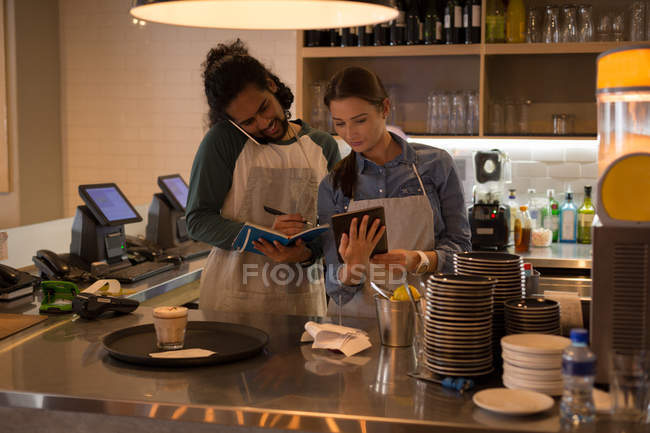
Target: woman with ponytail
x=426 y=219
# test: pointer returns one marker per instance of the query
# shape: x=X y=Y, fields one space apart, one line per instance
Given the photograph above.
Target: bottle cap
x=587 y=189
x=523 y=208
x=579 y=335
x=569 y=195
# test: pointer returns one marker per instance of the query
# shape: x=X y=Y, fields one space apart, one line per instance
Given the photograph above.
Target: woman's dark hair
x=227 y=70
x=360 y=83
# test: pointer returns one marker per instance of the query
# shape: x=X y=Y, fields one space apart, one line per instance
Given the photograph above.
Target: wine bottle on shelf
x=495 y=22
x=334 y=38
x=452 y=23
x=365 y=35
x=467 y=21
x=311 y=38
x=412 y=23
x=346 y=37
x=398 y=26
x=475 y=19
x=459 y=34
x=516 y=22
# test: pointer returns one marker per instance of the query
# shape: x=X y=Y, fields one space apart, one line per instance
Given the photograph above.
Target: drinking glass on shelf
x=604 y=27
x=510 y=116
x=568 y=24
x=551 y=32
x=524 y=115
x=433 y=107
x=585 y=24
x=533 y=26
x=496 y=118
x=638 y=14
x=458 y=114
x=472 y=112
x=444 y=114
x=618 y=25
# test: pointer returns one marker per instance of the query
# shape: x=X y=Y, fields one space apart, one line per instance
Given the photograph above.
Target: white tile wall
x=538 y=164
x=132 y=98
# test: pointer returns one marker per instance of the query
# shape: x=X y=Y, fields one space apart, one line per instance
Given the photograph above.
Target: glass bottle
x=551 y=214
x=513 y=210
x=432 y=24
x=475 y=18
x=398 y=26
x=452 y=33
x=568 y=220
x=516 y=22
x=523 y=230
x=495 y=22
x=551 y=32
x=586 y=215
x=412 y=23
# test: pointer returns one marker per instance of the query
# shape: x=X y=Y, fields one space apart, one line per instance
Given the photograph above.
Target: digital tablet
x=175 y=189
x=341 y=224
x=108 y=204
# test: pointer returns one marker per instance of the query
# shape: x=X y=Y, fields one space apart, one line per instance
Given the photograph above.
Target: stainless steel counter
x=558 y=255
x=60 y=366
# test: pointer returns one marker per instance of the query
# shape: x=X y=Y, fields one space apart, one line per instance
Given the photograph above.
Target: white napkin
x=329 y=336
x=184 y=353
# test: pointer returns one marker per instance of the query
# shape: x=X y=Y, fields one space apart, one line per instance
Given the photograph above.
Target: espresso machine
x=488 y=217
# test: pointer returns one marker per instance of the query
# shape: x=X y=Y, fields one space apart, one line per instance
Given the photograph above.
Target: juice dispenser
x=620 y=309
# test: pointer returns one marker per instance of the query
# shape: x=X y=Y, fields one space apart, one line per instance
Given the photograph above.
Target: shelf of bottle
x=416 y=136
x=560 y=48
x=393 y=51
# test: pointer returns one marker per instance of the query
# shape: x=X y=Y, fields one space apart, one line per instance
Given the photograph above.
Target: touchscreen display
x=178 y=188
x=111 y=203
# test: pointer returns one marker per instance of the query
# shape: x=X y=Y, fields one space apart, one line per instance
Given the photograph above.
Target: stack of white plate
x=507 y=269
x=533 y=362
x=536 y=315
x=458 y=325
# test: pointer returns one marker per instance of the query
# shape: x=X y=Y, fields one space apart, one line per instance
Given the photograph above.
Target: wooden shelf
x=396 y=51
x=562 y=48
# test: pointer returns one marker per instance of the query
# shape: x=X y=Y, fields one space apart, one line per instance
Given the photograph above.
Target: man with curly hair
x=253 y=157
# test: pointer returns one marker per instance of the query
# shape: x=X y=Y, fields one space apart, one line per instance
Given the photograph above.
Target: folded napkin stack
x=329 y=336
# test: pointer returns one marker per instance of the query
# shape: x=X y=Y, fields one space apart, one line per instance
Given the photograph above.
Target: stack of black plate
x=507 y=269
x=532 y=315
x=458 y=325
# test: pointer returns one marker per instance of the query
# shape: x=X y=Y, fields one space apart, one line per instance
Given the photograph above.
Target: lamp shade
x=265 y=14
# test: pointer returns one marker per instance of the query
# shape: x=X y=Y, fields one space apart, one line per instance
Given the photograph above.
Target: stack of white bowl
x=533 y=362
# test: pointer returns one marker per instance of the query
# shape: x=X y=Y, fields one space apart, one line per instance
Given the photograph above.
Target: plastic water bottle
x=578 y=371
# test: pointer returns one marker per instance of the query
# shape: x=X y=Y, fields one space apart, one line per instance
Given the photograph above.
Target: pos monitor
x=175 y=190
x=98 y=227
x=108 y=204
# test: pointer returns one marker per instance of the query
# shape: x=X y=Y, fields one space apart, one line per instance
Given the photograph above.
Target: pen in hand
x=273 y=211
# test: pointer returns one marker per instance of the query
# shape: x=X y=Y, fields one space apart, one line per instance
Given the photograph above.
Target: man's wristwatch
x=423 y=266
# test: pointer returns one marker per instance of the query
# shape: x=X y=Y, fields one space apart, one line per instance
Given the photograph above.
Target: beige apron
x=409 y=226
x=249 y=282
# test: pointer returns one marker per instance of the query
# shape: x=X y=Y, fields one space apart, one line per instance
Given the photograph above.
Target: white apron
x=280 y=177
x=409 y=226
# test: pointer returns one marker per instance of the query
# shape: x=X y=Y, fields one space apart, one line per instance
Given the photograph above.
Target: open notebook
x=252 y=232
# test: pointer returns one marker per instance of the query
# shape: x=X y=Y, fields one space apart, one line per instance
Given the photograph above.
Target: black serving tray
x=230 y=341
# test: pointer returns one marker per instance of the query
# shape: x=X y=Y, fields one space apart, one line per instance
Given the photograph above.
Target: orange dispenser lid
x=624 y=69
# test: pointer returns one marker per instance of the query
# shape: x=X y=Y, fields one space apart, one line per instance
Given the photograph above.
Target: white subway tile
x=589 y=170
x=529 y=169
x=547 y=154
x=541 y=185
x=581 y=154
x=565 y=170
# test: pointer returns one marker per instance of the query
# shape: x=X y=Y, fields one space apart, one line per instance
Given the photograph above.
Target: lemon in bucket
x=400 y=293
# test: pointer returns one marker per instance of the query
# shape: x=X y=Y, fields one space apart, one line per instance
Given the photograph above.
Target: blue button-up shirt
x=397 y=179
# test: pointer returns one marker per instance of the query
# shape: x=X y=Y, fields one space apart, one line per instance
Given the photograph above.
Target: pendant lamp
x=265 y=14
